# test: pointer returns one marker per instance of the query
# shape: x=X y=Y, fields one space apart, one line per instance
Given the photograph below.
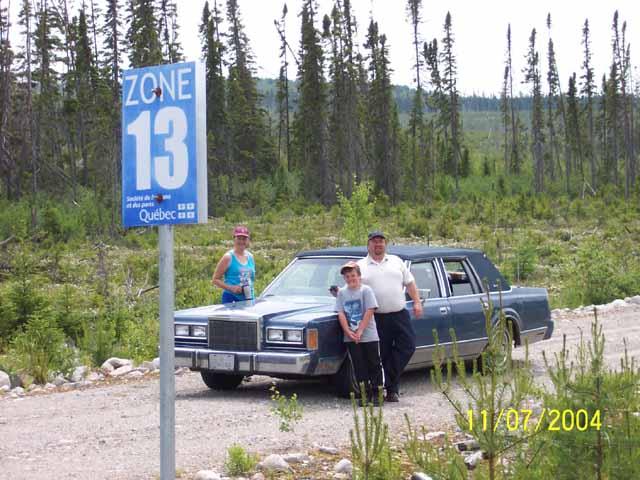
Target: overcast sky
x=479 y=28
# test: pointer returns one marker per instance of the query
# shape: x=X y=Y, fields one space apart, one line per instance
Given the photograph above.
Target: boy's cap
x=376 y=233
x=241 y=231
x=349 y=265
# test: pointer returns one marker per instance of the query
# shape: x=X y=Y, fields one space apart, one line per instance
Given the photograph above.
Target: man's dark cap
x=376 y=233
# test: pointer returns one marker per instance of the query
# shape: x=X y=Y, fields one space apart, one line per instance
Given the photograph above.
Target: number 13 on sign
x=164 y=145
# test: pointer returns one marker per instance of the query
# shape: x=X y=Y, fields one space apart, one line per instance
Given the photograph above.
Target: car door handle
x=444 y=310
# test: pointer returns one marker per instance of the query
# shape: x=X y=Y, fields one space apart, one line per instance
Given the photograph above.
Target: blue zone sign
x=164 y=160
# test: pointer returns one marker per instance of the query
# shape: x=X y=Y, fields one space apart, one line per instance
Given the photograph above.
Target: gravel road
x=111 y=431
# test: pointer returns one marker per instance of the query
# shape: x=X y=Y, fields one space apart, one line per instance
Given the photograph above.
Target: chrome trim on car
x=273 y=363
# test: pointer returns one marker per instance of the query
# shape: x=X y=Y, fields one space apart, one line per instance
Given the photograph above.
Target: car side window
x=426 y=279
x=461 y=280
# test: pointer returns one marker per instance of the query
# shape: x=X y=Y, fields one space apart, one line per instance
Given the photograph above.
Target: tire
x=344 y=381
x=220 y=381
x=506 y=344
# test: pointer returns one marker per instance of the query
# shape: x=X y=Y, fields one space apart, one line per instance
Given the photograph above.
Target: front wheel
x=220 y=381
x=344 y=381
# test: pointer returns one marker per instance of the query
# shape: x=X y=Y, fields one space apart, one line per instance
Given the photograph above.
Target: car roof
x=406 y=252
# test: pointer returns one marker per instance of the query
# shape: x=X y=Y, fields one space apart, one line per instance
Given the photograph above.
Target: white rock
x=59 y=380
x=18 y=391
x=468 y=445
x=95 y=377
x=274 y=462
x=5 y=379
x=134 y=374
x=343 y=466
x=635 y=300
x=618 y=303
x=296 y=457
x=32 y=387
x=258 y=476
x=434 y=435
x=107 y=368
x=5 y=388
x=207 y=475
x=49 y=386
x=150 y=366
x=116 y=362
x=156 y=363
x=79 y=373
x=471 y=461
x=118 y=372
x=328 y=450
x=420 y=476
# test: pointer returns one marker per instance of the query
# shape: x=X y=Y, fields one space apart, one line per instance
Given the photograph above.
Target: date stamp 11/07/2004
x=551 y=419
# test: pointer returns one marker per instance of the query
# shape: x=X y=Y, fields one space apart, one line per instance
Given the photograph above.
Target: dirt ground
x=112 y=431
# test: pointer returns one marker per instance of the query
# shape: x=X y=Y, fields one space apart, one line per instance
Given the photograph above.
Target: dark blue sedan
x=292 y=330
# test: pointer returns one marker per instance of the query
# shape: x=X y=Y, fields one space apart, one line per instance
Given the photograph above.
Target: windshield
x=309 y=276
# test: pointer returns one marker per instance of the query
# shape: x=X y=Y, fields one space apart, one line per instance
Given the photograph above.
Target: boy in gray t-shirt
x=356 y=304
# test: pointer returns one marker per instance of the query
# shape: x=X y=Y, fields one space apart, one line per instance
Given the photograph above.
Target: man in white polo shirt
x=387 y=275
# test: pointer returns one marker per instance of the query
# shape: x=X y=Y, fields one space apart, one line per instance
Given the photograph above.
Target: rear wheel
x=502 y=353
x=220 y=381
x=344 y=381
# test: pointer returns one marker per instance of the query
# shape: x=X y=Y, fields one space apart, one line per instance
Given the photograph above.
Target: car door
x=436 y=312
x=466 y=299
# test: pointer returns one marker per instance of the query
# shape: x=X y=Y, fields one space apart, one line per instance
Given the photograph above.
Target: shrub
x=370 y=447
x=140 y=339
x=357 y=213
x=102 y=332
x=67 y=313
x=288 y=410
x=239 y=461
x=583 y=381
x=41 y=348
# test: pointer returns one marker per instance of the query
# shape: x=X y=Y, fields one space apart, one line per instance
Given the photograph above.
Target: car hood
x=300 y=307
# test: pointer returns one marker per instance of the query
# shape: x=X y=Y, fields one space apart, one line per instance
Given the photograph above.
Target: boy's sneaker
x=392 y=397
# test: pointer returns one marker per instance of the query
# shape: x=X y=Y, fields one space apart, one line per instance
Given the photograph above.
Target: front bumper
x=264 y=363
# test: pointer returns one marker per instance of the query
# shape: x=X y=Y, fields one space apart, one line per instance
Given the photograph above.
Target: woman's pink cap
x=241 y=231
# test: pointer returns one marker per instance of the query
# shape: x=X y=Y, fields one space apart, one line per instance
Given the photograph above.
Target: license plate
x=222 y=361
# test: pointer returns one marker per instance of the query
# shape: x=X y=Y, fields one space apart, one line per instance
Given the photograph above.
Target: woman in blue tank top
x=236 y=270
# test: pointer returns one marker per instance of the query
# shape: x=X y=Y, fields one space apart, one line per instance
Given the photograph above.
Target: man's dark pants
x=365 y=357
x=397 y=344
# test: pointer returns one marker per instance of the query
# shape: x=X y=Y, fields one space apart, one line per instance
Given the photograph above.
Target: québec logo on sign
x=164 y=164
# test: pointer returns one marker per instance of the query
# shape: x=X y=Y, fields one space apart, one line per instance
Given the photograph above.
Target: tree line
x=336 y=122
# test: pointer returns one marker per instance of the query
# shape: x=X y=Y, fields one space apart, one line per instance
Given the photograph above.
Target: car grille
x=241 y=336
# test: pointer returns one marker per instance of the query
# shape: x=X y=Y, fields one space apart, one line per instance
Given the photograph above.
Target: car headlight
x=293 y=336
x=199 y=331
x=275 y=335
x=182 y=330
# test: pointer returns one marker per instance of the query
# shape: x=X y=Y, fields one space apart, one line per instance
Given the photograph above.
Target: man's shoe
x=392 y=397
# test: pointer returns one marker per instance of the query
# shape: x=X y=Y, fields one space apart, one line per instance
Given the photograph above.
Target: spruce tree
x=382 y=117
x=532 y=77
x=143 y=42
x=168 y=35
x=8 y=164
x=416 y=120
x=515 y=142
x=282 y=95
x=218 y=141
x=250 y=149
x=310 y=125
x=450 y=90
x=588 y=91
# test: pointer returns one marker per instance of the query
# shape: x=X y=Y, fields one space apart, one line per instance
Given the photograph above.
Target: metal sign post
x=164 y=183
x=167 y=356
